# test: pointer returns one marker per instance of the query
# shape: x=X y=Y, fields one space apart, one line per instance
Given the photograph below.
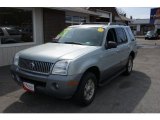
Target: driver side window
x=111 y=35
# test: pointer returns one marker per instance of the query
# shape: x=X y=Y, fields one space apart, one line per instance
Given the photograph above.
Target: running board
x=110 y=79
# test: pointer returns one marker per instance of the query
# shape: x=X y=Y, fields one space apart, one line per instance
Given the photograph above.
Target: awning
x=77 y=9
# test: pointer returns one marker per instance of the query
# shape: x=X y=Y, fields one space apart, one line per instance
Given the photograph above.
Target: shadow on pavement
x=7 y=84
x=121 y=95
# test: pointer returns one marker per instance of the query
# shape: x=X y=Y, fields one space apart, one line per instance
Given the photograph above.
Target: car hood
x=51 y=52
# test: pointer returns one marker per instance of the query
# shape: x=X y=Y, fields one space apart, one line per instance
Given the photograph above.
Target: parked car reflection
x=15 y=35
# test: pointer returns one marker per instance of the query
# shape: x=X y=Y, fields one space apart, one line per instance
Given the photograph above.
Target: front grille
x=35 y=66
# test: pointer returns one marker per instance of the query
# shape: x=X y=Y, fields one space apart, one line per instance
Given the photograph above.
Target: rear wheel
x=129 y=65
x=86 y=90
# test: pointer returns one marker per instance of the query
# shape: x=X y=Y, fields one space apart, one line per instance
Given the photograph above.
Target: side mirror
x=111 y=44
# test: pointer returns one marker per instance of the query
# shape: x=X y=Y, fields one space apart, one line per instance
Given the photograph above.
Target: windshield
x=92 y=36
x=150 y=32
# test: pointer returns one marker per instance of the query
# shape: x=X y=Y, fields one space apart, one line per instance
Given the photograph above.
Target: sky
x=137 y=12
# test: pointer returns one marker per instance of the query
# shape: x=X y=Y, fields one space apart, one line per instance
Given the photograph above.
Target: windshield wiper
x=73 y=43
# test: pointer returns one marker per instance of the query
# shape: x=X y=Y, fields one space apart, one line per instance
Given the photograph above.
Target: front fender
x=80 y=66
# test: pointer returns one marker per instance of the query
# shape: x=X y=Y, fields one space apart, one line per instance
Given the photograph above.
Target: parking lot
x=137 y=93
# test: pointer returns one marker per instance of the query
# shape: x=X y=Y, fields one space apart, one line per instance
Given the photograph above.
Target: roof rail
x=116 y=23
x=104 y=23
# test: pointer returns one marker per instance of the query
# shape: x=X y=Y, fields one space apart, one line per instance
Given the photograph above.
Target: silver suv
x=81 y=58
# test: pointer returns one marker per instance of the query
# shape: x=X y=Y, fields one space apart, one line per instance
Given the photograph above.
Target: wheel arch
x=132 y=53
x=95 y=70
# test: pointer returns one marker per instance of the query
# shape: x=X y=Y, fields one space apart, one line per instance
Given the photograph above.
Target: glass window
x=111 y=36
x=74 y=20
x=12 y=31
x=68 y=18
x=16 y=24
x=121 y=36
x=1 y=32
x=85 y=36
x=130 y=34
x=82 y=19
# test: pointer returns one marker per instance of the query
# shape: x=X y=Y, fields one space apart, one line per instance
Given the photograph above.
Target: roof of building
x=140 y=21
x=86 y=10
x=124 y=18
x=77 y=9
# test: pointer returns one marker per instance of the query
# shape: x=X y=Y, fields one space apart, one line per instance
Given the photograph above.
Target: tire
x=129 y=66
x=88 y=84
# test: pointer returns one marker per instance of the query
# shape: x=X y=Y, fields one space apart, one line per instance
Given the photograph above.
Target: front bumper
x=150 y=37
x=57 y=85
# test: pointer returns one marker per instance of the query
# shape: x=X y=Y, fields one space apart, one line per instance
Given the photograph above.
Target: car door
x=110 y=60
x=123 y=47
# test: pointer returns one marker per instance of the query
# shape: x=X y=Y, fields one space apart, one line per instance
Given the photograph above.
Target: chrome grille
x=35 y=66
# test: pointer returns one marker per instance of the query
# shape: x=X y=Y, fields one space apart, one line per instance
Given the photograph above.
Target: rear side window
x=130 y=33
x=1 y=32
x=121 y=36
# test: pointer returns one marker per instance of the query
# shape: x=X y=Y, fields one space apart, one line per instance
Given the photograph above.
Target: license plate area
x=29 y=86
x=31 y=81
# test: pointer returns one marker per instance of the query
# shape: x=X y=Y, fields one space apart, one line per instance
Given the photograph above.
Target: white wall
x=138 y=28
x=7 y=52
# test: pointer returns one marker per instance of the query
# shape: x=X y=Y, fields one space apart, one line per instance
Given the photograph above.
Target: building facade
x=141 y=26
x=155 y=19
x=21 y=28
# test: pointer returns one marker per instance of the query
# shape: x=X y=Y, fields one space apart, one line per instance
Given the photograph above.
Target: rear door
x=132 y=41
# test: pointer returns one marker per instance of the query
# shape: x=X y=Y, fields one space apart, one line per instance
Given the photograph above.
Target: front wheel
x=86 y=90
x=129 y=66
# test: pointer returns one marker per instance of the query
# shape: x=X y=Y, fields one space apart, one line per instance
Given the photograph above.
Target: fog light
x=13 y=76
x=56 y=86
x=17 y=78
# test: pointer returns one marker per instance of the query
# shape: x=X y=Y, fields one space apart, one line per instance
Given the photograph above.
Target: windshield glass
x=92 y=36
x=150 y=32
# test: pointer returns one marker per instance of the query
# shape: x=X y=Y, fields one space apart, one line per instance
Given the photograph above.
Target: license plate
x=28 y=86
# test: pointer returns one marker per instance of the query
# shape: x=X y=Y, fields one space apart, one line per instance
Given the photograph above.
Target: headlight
x=61 y=67
x=16 y=59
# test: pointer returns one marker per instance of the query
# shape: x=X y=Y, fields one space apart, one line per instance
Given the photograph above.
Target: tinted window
x=13 y=31
x=1 y=32
x=17 y=22
x=111 y=35
x=121 y=36
x=74 y=20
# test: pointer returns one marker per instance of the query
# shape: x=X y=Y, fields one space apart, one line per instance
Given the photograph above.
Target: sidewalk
x=139 y=36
